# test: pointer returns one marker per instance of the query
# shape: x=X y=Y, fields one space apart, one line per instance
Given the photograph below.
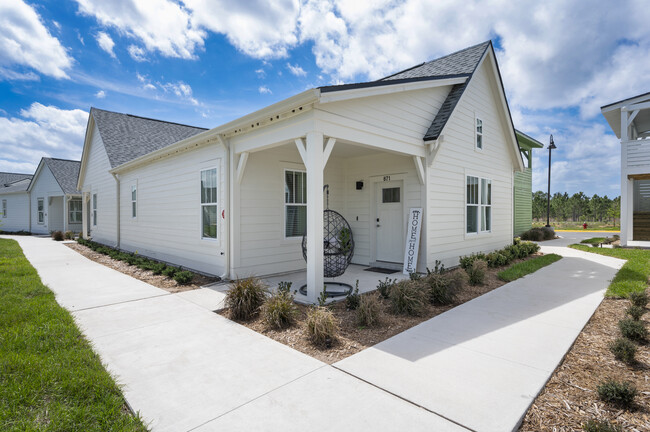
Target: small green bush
x=438 y=269
x=415 y=276
x=279 y=311
x=322 y=326
x=633 y=330
x=184 y=277
x=245 y=297
x=158 y=268
x=352 y=300
x=442 y=289
x=638 y=298
x=384 y=287
x=529 y=247
x=57 y=235
x=476 y=272
x=369 y=311
x=600 y=426
x=617 y=393
x=169 y=271
x=466 y=261
x=69 y=235
x=635 y=312
x=284 y=287
x=409 y=298
x=497 y=259
x=624 y=350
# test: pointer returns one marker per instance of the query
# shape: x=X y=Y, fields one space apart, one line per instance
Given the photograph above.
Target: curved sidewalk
x=475 y=367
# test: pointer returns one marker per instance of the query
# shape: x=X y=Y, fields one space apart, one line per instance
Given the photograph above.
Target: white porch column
x=314 y=164
x=627 y=209
x=65 y=211
x=84 y=215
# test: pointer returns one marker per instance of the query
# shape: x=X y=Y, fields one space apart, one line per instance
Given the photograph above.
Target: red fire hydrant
x=584 y=225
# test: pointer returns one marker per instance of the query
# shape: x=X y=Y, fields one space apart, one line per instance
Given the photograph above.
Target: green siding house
x=523 y=217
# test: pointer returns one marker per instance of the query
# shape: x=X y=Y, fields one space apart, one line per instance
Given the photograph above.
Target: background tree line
x=577 y=207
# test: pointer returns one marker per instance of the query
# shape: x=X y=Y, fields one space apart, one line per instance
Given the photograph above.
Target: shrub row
x=518 y=250
x=539 y=234
x=183 y=277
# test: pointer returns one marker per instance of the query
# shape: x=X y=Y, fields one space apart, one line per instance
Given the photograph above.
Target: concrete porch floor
x=368 y=280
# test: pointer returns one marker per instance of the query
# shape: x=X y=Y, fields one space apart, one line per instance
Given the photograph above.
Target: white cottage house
x=236 y=200
x=54 y=202
x=630 y=121
x=14 y=202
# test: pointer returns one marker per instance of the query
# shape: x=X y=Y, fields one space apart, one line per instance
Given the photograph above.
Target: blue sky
x=206 y=62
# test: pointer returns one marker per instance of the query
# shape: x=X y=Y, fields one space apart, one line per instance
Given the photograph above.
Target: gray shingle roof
x=66 y=173
x=7 y=177
x=127 y=137
x=17 y=186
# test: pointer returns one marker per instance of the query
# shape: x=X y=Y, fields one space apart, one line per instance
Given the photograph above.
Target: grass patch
x=523 y=268
x=633 y=277
x=50 y=378
x=594 y=241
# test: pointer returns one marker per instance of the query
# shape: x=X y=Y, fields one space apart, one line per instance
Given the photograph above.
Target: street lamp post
x=551 y=146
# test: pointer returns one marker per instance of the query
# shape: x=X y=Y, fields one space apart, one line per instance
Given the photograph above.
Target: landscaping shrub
x=534 y=234
x=635 y=312
x=369 y=311
x=476 y=272
x=322 y=327
x=184 y=277
x=497 y=259
x=617 y=393
x=169 y=271
x=438 y=269
x=384 y=287
x=352 y=299
x=529 y=247
x=284 y=287
x=245 y=297
x=549 y=233
x=623 y=349
x=408 y=297
x=57 y=235
x=633 y=330
x=600 y=426
x=69 y=235
x=158 y=268
x=415 y=276
x=442 y=290
x=638 y=298
x=279 y=311
x=466 y=261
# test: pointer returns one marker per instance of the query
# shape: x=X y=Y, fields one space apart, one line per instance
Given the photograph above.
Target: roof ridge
x=15 y=173
x=148 y=118
x=61 y=159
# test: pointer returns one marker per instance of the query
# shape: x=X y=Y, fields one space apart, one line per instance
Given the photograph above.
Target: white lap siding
x=97 y=180
x=167 y=225
x=457 y=157
x=45 y=186
x=17 y=212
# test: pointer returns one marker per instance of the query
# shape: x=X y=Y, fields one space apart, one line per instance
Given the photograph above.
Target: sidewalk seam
x=117 y=303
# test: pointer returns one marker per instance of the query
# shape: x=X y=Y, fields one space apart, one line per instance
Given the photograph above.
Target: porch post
x=314 y=164
x=84 y=215
x=65 y=208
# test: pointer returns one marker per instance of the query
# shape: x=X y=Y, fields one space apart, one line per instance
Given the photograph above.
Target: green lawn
x=634 y=274
x=594 y=241
x=50 y=379
x=577 y=226
x=523 y=268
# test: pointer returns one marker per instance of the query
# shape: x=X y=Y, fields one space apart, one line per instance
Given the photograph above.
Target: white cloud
x=180 y=89
x=12 y=75
x=40 y=131
x=26 y=42
x=261 y=73
x=296 y=70
x=137 y=53
x=100 y=94
x=105 y=42
x=264 y=90
x=149 y=86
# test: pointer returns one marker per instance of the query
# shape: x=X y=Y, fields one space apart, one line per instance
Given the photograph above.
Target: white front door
x=390 y=221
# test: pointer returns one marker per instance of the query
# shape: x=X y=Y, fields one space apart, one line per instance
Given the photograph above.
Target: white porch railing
x=637 y=154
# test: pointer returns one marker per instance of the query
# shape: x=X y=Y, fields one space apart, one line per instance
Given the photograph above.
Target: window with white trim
x=478 y=205
x=74 y=211
x=4 y=208
x=40 y=210
x=479 y=133
x=295 y=203
x=134 y=201
x=95 y=209
x=209 y=203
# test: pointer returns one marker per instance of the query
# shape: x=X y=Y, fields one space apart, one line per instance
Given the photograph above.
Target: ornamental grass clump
x=408 y=298
x=443 y=287
x=369 y=311
x=57 y=235
x=245 y=298
x=279 y=311
x=69 y=235
x=633 y=330
x=624 y=350
x=476 y=272
x=619 y=393
x=322 y=326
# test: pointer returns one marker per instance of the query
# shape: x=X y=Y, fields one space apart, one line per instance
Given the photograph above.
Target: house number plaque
x=386 y=178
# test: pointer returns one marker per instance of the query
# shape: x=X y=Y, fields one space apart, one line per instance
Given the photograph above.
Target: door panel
x=390 y=222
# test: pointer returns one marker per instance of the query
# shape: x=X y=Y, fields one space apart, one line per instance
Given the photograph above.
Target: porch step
x=387 y=265
x=641 y=227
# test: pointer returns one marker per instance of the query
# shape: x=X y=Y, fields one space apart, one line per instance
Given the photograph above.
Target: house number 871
x=386 y=178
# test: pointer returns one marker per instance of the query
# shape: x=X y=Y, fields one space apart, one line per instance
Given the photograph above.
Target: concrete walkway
x=476 y=367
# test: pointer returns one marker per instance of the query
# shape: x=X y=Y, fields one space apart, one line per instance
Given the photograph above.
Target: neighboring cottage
x=14 y=202
x=630 y=121
x=236 y=200
x=54 y=202
x=524 y=184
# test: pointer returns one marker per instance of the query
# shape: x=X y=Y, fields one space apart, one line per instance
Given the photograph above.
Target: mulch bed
x=570 y=399
x=354 y=338
x=147 y=276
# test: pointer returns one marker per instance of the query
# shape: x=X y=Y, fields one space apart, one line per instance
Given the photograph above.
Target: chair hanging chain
x=326 y=188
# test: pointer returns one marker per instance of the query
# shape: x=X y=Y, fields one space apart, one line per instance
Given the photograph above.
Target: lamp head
x=551 y=146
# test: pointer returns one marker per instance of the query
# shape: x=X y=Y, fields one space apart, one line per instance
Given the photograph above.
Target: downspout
x=227 y=218
x=117 y=200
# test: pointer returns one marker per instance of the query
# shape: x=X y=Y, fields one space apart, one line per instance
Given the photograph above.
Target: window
x=390 y=195
x=479 y=133
x=134 y=201
x=4 y=208
x=295 y=203
x=209 y=203
x=94 y=209
x=479 y=205
x=40 y=207
x=74 y=211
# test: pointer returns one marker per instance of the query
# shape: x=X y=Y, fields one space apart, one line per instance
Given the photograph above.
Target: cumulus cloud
x=39 y=131
x=296 y=70
x=261 y=73
x=137 y=53
x=100 y=94
x=180 y=89
x=106 y=43
x=25 y=42
x=264 y=90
